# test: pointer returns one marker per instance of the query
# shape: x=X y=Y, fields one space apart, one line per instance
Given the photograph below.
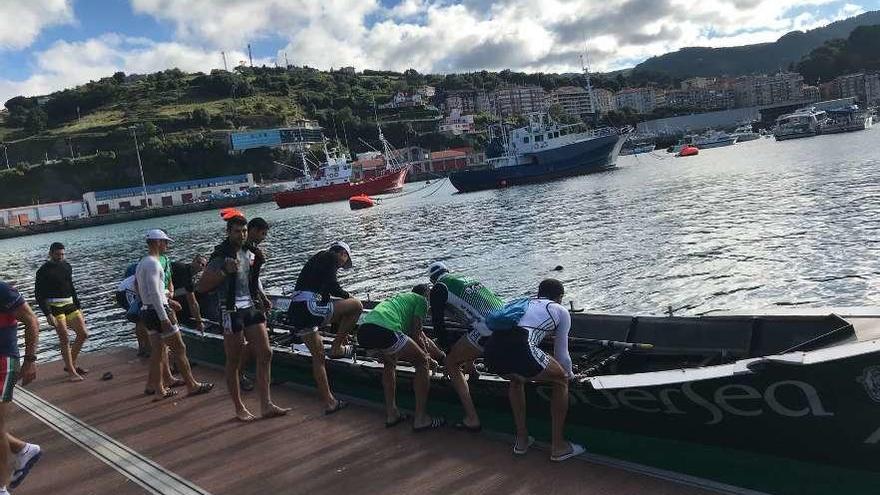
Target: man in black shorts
x=311 y=308
x=229 y=277
x=182 y=279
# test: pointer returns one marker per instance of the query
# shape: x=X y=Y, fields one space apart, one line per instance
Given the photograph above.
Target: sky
x=47 y=45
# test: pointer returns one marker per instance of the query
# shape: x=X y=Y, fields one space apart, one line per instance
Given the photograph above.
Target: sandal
x=167 y=395
x=524 y=451
x=340 y=405
x=433 y=425
x=401 y=417
x=575 y=451
x=203 y=388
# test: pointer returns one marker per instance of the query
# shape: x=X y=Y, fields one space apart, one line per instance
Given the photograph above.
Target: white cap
x=157 y=235
x=347 y=249
x=436 y=269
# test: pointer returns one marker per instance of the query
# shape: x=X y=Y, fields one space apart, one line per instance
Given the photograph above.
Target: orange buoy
x=227 y=213
x=360 y=202
x=689 y=151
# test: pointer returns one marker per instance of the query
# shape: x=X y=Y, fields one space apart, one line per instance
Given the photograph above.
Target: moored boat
x=688 y=150
x=847 y=119
x=334 y=182
x=803 y=387
x=745 y=133
x=806 y=122
x=713 y=139
x=540 y=151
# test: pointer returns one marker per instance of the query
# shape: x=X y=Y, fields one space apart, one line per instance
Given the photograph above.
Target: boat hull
x=715 y=144
x=388 y=183
x=594 y=155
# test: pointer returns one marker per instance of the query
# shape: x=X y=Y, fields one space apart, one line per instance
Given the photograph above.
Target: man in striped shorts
x=14 y=309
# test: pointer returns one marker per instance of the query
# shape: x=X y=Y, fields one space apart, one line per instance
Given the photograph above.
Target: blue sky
x=47 y=45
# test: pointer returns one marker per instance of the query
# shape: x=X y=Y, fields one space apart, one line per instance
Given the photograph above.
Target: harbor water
x=756 y=225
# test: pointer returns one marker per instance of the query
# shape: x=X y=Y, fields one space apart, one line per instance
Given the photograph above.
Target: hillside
x=758 y=58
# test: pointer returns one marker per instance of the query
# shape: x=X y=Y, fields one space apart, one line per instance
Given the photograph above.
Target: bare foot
x=274 y=411
x=75 y=378
x=244 y=416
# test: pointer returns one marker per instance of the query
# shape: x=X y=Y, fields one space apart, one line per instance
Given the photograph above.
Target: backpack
x=507 y=316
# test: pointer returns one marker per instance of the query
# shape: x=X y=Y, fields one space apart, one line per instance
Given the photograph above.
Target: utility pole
x=225 y=67
x=140 y=164
x=250 y=55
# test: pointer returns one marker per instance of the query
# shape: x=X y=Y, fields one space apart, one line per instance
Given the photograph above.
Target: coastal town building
x=574 y=101
x=872 y=89
x=403 y=99
x=457 y=124
x=169 y=194
x=41 y=213
x=699 y=98
x=768 y=89
x=812 y=93
x=519 y=100
x=640 y=100
x=698 y=83
x=466 y=101
x=300 y=133
x=604 y=100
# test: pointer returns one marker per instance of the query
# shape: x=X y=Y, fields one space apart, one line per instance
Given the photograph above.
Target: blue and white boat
x=540 y=151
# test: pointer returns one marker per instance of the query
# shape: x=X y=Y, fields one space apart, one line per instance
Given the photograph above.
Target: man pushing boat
x=394 y=327
x=467 y=301
x=311 y=308
x=512 y=352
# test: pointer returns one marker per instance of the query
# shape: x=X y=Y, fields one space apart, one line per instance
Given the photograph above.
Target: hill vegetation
x=859 y=52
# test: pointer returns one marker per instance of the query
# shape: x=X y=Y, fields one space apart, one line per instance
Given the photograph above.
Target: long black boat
x=679 y=393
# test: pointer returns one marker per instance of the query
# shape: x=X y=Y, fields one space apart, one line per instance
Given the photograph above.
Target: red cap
x=227 y=213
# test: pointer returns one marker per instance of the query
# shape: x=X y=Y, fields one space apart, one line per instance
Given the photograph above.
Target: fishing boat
x=333 y=179
x=805 y=122
x=745 y=133
x=790 y=386
x=637 y=146
x=540 y=151
x=846 y=119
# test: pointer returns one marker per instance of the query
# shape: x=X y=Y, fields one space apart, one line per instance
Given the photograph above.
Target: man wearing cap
x=468 y=302
x=311 y=308
x=229 y=283
x=159 y=319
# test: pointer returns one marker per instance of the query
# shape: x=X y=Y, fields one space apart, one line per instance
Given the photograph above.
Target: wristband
x=30 y=358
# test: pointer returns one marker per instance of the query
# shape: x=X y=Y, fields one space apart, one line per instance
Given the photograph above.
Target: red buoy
x=689 y=151
x=360 y=202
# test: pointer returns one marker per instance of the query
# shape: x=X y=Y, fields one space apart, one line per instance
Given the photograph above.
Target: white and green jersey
x=469 y=300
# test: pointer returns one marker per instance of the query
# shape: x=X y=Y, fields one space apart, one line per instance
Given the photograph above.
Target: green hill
x=757 y=58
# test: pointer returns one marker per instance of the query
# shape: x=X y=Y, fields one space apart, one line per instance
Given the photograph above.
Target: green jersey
x=165 y=263
x=397 y=312
x=468 y=299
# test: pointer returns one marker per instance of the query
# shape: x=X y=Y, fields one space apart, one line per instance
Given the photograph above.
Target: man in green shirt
x=395 y=328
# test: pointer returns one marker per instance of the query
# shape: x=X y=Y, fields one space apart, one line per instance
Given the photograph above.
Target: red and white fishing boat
x=333 y=180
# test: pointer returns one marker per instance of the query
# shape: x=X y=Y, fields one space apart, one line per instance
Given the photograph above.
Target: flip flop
x=107 y=376
x=400 y=419
x=340 y=405
x=433 y=425
x=575 y=451
x=203 y=388
x=519 y=451
x=461 y=426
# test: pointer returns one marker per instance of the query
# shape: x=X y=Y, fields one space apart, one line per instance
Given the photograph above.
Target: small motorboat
x=360 y=202
x=689 y=151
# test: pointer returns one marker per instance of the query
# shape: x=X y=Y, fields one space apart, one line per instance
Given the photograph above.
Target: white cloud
x=66 y=64
x=21 y=21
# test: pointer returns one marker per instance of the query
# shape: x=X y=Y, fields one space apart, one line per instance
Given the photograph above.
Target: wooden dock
x=102 y=437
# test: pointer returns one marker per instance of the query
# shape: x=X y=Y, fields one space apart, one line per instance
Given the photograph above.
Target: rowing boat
x=799 y=387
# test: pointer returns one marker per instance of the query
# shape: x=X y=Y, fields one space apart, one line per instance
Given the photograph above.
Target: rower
x=512 y=352
x=229 y=277
x=468 y=302
x=311 y=308
x=56 y=296
x=394 y=327
x=182 y=279
x=160 y=321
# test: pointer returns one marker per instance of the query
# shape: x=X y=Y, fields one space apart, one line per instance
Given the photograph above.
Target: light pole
x=140 y=165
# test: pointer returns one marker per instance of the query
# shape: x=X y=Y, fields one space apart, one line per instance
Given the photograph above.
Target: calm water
x=749 y=226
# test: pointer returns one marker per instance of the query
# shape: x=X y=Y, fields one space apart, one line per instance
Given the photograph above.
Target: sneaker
x=3 y=491
x=24 y=461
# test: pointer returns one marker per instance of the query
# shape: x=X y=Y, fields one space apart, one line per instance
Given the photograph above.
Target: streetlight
x=140 y=165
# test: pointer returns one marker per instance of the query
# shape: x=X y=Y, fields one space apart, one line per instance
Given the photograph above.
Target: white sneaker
x=24 y=461
x=3 y=491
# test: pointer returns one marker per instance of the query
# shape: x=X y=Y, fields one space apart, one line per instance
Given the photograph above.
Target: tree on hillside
x=858 y=52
